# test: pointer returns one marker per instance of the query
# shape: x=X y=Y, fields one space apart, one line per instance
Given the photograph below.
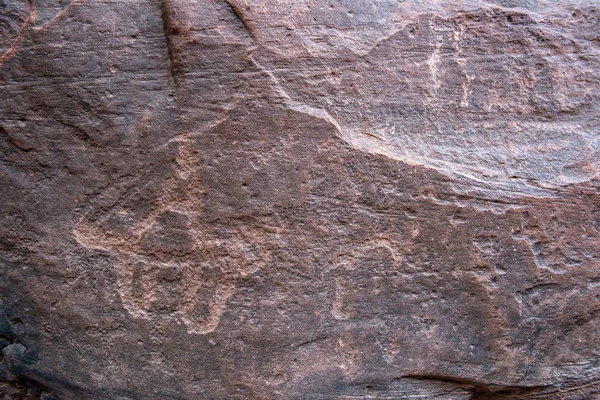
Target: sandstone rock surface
x=299 y=199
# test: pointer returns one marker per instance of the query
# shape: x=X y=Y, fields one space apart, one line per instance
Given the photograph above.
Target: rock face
x=299 y=199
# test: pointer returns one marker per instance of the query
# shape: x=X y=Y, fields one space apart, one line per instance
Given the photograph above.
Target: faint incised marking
x=56 y=17
x=170 y=265
x=29 y=20
x=16 y=142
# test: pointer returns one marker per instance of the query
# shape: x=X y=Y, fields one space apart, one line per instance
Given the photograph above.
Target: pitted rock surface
x=277 y=199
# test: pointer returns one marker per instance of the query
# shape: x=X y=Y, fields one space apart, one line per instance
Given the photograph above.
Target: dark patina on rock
x=299 y=199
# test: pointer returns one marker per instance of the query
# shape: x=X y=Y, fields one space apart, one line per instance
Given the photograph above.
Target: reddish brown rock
x=299 y=199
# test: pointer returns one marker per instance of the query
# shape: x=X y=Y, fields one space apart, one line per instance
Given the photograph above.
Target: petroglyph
x=169 y=264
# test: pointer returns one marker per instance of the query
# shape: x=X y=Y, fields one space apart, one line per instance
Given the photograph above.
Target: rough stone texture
x=299 y=199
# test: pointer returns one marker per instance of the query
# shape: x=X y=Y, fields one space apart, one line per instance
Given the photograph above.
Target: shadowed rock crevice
x=482 y=391
x=171 y=30
x=241 y=17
